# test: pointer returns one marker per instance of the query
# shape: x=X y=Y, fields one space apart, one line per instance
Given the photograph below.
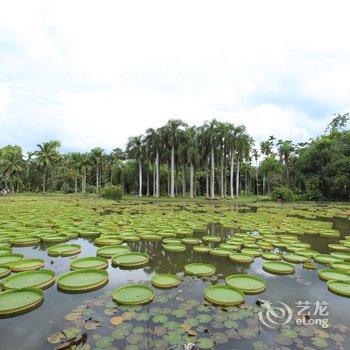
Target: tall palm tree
x=209 y=136
x=47 y=157
x=97 y=156
x=244 y=142
x=266 y=148
x=285 y=149
x=255 y=154
x=172 y=131
x=190 y=149
x=84 y=164
x=74 y=160
x=135 y=150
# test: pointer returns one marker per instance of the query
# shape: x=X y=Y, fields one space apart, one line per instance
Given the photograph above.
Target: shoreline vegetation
x=216 y=160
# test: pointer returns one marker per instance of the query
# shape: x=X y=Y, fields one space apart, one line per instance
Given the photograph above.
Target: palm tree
x=97 y=156
x=46 y=158
x=244 y=142
x=266 y=149
x=135 y=150
x=84 y=164
x=172 y=131
x=189 y=148
x=256 y=157
x=74 y=160
x=285 y=149
x=209 y=136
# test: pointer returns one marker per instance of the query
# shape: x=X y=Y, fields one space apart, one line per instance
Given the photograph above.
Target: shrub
x=282 y=194
x=90 y=189
x=112 y=192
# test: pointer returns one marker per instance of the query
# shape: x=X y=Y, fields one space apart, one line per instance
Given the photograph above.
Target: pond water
x=160 y=324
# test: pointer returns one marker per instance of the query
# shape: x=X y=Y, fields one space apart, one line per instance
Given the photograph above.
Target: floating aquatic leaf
x=92 y=325
x=319 y=342
x=205 y=343
x=160 y=319
x=56 y=338
x=179 y=313
x=159 y=330
x=117 y=320
x=204 y=318
x=72 y=316
x=103 y=342
x=231 y=324
x=219 y=338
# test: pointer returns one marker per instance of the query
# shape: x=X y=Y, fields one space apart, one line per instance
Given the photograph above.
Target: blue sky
x=93 y=73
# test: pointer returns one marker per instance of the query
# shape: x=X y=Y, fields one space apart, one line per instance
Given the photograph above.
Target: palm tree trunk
x=212 y=174
x=172 y=177
x=154 y=179
x=157 y=174
x=147 y=180
x=44 y=182
x=222 y=176
x=140 y=178
x=183 y=180
x=76 y=185
x=264 y=184
x=191 y=179
x=237 y=178
x=232 y=195
x=207 y=179
x=97 y=178
x=257 y=180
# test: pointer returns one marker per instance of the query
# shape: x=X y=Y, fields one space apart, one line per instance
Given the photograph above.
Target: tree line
x=216 y=159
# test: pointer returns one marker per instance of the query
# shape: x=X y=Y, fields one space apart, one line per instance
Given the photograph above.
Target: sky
x=93 y=73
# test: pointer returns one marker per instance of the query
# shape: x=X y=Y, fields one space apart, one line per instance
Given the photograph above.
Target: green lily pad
x=165 y=281
x=64 y=250
x=27 y=264
x=333 y=274
x=326 y=259
x=249 y=284
x=339 y=287
x=133 y=294
x=200 y=269
x=241 y=258
x=89 y=262
x=223 y=295
x=111 y=250
x=131 y=259
x=30 y=279
x=7 y=259
x=174 y=247
x=279 y=267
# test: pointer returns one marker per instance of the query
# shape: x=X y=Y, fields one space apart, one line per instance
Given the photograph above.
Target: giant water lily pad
x=339 y=287
x=241 y=258
x=17 y=301
x=4 y=271
x=111 y=250
x=174 y=247
x=64 y=250
x=131 y=259
x=165 y=281
x=27 y=264
x=333 y=274
x=326 y=259
x=295 y=258
x=89 y=262
x=30 y=279
x=105 y=241
x=249 y=284
x=82 y=280
x=133 y=294
x=279 y=267
x=223 y=295
x=7 y=259
x=25 y=241
x=343 y=266
x=200 y=269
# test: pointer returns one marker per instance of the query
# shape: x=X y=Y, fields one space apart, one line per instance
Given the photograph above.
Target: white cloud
x=94 y=73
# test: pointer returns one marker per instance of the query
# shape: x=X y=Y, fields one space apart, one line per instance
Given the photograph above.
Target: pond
x=181 y=315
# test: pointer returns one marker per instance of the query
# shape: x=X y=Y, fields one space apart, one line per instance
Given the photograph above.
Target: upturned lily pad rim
x=272 y=267
x=20 y=256
x=172 y=247
x=218 y=287
x=37 y=263
x=189 y=269
x=256 y=290
x=148 y=298
x=336 y=287
x=101 y=263
x=25 y=308
x=124 y=263
x=335 y=265
x=25 y=241
x=43 y=285
x=322 y=274
x=326 y=259
x=76 y=249
x=241 y=258
x=295 y=258
x=83 y=287
x=101 y=251
x=5 y=271
x=156 y=280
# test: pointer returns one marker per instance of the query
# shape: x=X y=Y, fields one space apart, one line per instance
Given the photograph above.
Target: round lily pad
x=271 y=256
x=54 y=238
x=30 y=279
x=220 y=252
x=295 y=258
x=279 y=267
x=174 y=247
x=326 y=259
x=103 y=241
x=339 y=287
x=333 y=274
x=82 y=280
x=223 y=295
x=25 y=241
x=64 y=250
x=91 y=262
x=165 y=281
x=343 y=266
x=18 y=301
x=249 y=284
x=133 y=294
x=341 y=255
x=27 y=264
x=4 y=271
x=241 y=258
x=211 y=239
x=111 y=250
x=6 y=259
x=131 y=259
x=191 y=240
x=200 y=269
x=201 y=249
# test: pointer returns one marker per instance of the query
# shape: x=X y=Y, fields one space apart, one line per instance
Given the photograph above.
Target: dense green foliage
x=213 y=159
x=282 y=194
x=112 y=192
